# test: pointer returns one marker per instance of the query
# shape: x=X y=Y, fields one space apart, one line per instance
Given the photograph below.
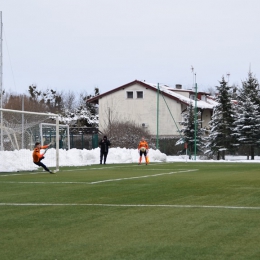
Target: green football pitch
x=126 y=211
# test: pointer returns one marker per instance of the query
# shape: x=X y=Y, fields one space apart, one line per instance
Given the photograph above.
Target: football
x=143 y=149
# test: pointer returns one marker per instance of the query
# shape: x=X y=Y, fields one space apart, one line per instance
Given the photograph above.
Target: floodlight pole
x=195 y=120
x=1 y=82
x=23 y=122
x=57 y=143
x=157 y=135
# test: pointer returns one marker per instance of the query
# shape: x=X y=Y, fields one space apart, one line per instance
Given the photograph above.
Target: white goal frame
x=60 y=126
x=32 y=113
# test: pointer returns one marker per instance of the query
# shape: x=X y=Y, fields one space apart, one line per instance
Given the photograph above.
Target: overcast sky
x=78 y=45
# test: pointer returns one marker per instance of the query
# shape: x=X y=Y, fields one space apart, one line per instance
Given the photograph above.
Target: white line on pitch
x=96 y=182
x=26 y=173
x=144 y=176
x=83 y=169
x=42 y=182
x=128 y=205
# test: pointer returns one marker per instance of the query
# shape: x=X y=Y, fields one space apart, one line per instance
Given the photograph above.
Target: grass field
x=125 y=211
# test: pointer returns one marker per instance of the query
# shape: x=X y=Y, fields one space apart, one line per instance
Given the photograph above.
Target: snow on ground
x=12 y=161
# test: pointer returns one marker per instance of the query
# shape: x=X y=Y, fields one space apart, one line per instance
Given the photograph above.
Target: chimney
x=178 y=86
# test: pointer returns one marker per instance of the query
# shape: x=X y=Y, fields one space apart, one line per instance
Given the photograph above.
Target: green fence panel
x=94 y=141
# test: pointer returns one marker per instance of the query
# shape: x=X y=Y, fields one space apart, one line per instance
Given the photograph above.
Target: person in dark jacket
x=104 y=146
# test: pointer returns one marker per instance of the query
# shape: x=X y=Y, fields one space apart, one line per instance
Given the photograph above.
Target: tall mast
x=1 y=82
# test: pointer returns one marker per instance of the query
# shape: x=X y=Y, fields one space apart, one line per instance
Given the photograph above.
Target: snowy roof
x=209 y=103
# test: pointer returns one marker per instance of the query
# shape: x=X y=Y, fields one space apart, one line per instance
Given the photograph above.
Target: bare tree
x=69 y=100
x=127 y=134
x=19 y=102
x=212 y=91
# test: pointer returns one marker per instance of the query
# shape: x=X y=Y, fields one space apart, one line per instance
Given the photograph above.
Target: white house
x=156 y=108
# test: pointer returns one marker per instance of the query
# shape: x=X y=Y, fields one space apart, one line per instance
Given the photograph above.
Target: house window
x=139 y=94
x=130 y=94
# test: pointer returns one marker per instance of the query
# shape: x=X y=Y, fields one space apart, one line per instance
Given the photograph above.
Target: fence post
x=94 y=141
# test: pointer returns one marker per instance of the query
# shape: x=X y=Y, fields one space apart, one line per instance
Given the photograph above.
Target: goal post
x=46 y=130
x=19 y=130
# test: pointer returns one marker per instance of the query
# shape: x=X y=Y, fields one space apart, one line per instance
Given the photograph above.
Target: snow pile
x=21 y=160
x=12 y=161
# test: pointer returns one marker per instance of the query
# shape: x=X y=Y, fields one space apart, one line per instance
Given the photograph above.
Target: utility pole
x=228 y=74
x=1 y=83
x=195 y=112
x=195 y=120
x=23 y=122
x=157 y=135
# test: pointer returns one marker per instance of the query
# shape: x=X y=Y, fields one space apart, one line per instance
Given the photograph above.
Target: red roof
x=145 y=85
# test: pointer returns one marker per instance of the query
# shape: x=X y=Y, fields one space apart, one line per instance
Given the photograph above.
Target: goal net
x=48 y=134
x=19 y=131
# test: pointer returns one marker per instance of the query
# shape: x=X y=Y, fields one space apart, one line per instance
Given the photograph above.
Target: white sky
x=82 y=44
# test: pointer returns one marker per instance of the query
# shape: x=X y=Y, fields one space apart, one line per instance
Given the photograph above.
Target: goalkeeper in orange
x=143 y=149
x=38 y=156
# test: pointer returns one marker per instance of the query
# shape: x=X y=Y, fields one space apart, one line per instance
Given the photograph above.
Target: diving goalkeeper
x=38 y=156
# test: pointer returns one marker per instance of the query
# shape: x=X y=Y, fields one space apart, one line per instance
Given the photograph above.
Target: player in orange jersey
x=143 y=149
x=38 y=156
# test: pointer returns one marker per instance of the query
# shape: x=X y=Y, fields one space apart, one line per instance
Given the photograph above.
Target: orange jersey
x=143 y=144
x=36 y=153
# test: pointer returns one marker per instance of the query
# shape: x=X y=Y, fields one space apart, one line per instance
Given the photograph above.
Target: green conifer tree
x=220 y=138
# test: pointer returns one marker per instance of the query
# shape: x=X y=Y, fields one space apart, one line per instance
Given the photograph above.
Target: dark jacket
x=104 y=145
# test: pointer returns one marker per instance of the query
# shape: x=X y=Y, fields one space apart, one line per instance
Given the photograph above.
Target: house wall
x=183 y=93
x=116 y=106
x=206 y=117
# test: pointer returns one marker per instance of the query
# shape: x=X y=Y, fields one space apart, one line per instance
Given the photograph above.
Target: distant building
x=139 y=101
